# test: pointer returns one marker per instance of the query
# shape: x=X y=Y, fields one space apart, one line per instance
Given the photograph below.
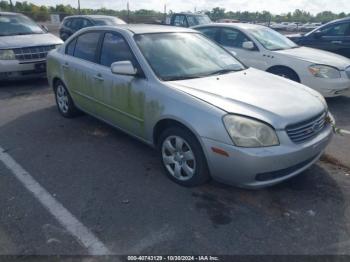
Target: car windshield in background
x=18 y=25
x=194 y=20
x=271 y=39
x=176 y=56
x=108 y=21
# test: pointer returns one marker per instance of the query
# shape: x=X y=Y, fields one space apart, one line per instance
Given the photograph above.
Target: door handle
x=337 y=42
x=99 y=77
x=65 y=66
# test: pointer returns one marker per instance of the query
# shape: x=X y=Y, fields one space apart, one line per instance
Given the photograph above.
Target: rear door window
x=86 y=46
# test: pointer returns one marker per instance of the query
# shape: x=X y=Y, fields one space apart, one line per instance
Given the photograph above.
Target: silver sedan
x=208 y=115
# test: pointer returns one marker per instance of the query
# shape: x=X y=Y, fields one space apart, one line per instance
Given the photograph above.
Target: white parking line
x=63 y=216
x=345 y=131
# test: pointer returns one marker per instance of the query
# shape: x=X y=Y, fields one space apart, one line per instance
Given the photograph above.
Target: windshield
x=271 y=39
x=108 y=21
x=18 y=25
x=176 y=56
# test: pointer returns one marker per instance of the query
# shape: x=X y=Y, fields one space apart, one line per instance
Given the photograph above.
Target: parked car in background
x=309 y=27
x=333 y=37
x=292 y=27
x=227 y=20
x=72 y=24
x=206 y=113
x=279 y=26
x=23 y=47
x=268 y=50
x=188 y=19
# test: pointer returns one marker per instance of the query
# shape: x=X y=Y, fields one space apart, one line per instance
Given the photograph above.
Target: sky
x=274 y=6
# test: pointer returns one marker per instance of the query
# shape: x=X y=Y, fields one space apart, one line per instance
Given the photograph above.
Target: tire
x=182 y=157
x=285 y=72
x=64 y=101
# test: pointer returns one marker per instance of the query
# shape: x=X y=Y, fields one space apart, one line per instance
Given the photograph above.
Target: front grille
x=32 y=53
x=304 y=131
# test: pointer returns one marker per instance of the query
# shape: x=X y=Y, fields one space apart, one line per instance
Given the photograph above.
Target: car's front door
x=120 y=99
x=79 y=68
x=334 y=38
x=233 y=39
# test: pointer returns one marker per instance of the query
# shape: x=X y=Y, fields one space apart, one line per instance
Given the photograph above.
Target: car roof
x=345 y=19
x=146 y=28
x=188 y=13
x=9 y=13
x=233 y=25
x=90 y=16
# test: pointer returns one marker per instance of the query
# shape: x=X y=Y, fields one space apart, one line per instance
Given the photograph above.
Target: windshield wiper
x=222 y=71
x=174 y=78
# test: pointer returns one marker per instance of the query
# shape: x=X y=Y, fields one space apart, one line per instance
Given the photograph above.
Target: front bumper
x=261 y=167
x=328 y=87
x=15 y=70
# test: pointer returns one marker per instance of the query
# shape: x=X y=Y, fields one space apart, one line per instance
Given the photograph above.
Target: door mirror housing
x=249 y=45
x=123 y=68
x=44 y=27
x=318 y=34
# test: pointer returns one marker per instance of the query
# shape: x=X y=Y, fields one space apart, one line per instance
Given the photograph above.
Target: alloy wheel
x=178 y=158
x=62 y=99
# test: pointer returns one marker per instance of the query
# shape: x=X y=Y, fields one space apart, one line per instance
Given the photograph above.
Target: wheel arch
x=277 y=67
x=168 y=122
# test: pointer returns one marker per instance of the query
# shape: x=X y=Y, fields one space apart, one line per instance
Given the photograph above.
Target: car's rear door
x=79 y=67
x=120 y=98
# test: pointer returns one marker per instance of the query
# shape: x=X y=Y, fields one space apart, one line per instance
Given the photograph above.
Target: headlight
x=7 y=55
x=58 y=46
x=246 y=132
x=324 y=71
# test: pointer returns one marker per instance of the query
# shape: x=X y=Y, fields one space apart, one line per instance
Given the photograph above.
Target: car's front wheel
x=182 y=157
x=64 y=101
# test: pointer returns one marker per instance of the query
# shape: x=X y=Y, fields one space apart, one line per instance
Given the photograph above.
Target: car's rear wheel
x=182 y=157
x=64 y=101
x=285 y=72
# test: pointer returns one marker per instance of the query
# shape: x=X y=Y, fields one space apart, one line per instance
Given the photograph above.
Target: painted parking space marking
x=343 y=131
x=82 y=234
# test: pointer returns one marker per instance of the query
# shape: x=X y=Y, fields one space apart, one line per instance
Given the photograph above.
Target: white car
x=268 y=50
x=24 y=46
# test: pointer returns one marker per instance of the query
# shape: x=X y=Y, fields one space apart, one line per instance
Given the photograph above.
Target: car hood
x=317 y=56
x=256 y=94
x=19 y=41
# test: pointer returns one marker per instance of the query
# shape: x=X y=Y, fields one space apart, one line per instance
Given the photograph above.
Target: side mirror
x=123 y=68
x=249 y=45
x=318 y=34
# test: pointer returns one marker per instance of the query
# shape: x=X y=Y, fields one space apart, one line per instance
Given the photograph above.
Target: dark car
x=333 y=37
x=71 y=24
x=188 y=19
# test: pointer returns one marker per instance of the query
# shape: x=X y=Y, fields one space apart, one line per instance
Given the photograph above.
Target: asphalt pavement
x=115 y=188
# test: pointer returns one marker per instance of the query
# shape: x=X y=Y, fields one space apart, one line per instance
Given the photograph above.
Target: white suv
x=23 y=47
